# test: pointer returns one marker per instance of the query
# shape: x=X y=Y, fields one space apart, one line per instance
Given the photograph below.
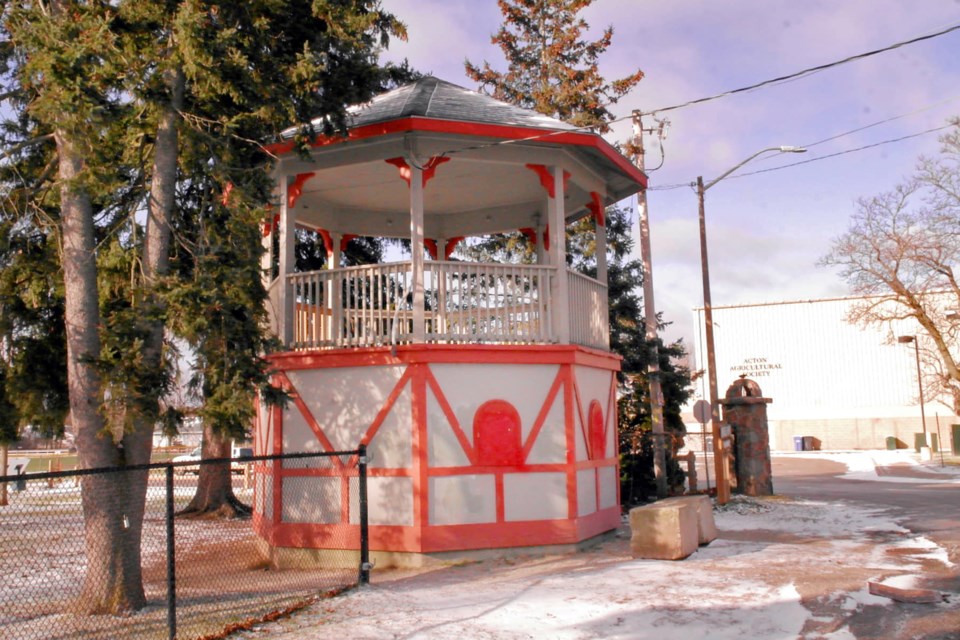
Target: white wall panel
x=607 y=477
x=467 y=386
x=345 y=401
x=315 y=500
x=586 y=492
x=535 y=496
x=468 y=499
x=389 y=501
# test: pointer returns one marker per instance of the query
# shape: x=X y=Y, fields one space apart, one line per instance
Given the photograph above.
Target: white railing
x=464 y=302
x=588 y=313
x=478 y=302
x=352 y=307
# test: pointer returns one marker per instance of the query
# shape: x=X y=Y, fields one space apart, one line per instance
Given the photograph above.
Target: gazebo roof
x=481 y=149
x=431 y=97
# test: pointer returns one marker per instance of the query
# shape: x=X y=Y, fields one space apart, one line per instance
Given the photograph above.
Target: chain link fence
x=202 y=577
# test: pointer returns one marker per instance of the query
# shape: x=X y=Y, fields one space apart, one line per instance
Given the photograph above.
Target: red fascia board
x=477 y=129
x=445 y=353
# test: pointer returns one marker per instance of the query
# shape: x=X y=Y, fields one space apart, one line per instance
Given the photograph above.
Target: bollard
x=691 y=472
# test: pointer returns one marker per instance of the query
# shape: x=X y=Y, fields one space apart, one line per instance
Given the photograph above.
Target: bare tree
x=900 y=253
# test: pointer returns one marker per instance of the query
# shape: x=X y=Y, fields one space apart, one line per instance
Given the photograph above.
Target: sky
x=718 y=592
x=766 y=232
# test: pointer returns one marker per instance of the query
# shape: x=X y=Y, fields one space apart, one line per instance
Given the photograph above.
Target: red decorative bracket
x=546 y=178
x=295 y=190
x=426 y=173
x=451 y=245
x=327 y=241
x=595 y=206
x=431 y=246
x=531 y=234
x=346 y=238
x=271 y=223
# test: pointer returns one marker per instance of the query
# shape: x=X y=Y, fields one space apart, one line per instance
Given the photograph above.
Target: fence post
x=364 y=577
x=171 y=561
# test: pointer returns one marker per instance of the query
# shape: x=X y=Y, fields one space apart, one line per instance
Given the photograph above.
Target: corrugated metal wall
x=824 y=374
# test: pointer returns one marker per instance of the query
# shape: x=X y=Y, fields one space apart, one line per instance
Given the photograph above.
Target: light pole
x=719 y=452
x=916 y=352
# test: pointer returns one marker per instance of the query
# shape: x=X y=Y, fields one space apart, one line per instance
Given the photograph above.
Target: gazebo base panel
x=301 y=558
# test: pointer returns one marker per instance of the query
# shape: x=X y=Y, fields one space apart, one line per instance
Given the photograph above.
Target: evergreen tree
x=553 y=70
x=116 y=87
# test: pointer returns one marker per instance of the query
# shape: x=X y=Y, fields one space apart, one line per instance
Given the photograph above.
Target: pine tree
x=552 y=69
x=103 y=82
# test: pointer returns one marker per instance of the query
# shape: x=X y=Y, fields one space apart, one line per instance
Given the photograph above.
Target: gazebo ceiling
x=479 y=149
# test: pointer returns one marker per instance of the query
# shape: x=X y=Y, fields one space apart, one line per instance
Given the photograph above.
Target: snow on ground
x=777 y=562
x=863 y=465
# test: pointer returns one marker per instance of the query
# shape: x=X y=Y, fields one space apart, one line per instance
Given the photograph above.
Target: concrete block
x=664 y=531
x=706 y=526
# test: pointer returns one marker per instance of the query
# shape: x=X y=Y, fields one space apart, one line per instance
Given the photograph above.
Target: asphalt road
x=925 y=507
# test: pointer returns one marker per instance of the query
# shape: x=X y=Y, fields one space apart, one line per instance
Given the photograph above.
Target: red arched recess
x=496 y=434
x=598 y=441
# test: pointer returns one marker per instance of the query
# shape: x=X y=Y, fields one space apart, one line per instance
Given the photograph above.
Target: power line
x=846 y=151
x=808 y=71
x=791 y=76
x=879 y=122
x=680 y=185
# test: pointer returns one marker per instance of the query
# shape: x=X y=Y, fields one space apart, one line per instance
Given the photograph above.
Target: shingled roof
x=437 y=99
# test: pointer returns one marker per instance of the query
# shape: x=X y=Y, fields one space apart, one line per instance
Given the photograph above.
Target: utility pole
x=650 y=318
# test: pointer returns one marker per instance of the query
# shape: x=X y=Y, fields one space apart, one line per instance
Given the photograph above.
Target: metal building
x=842 y=385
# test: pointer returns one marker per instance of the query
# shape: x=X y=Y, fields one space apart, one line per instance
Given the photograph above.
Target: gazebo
x=485 y=393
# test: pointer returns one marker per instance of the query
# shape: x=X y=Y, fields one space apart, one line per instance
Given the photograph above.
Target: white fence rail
x=588 y=313
x=476 y=302
x=464 y=302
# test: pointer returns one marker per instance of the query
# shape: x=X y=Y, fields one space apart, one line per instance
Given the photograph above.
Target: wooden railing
x=464 y=302
x=588 y=313
x=478 y=302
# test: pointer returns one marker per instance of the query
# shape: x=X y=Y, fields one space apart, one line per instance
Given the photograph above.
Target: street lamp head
x=788 y=148
x=906 y=339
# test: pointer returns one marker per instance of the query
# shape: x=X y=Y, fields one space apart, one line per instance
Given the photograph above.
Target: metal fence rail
x=201 y=576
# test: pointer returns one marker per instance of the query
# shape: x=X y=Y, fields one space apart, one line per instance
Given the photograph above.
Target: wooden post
x=416 y=250
x=560 y=292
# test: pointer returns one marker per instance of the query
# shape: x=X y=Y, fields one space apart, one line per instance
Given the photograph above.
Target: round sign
x=702 y=412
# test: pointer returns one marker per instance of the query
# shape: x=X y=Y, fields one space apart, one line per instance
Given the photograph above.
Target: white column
x=266 y=258
x=333 y=295
x=560 y=296
x=416 y=250
x=601 y=251
x=287 y=262
x=333 y=257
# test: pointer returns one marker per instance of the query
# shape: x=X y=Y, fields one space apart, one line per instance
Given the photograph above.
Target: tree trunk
x=113 y=581
x=3 y=471
x=214 y=497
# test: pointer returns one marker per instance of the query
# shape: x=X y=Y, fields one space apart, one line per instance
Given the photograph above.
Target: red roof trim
x=506 y=132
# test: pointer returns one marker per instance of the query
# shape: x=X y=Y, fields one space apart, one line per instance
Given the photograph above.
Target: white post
x=287 y=262
x=556 y=218
x=416 y=250
x=601 y=251
x=333 y=256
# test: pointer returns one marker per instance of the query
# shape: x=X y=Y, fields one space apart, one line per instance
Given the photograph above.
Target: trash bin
x=808 y=443
x=891 y=443
x=798 y=443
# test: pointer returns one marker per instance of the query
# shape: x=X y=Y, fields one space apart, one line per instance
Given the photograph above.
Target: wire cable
x=808 y=71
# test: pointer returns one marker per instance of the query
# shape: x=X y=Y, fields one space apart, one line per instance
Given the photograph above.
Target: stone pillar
x=745 y=410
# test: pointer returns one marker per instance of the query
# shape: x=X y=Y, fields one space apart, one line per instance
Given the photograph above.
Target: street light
x=916 y=351
x=719 y=453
